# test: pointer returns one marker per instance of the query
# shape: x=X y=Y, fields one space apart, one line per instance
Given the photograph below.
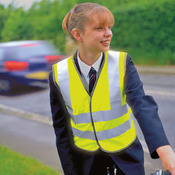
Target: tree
x=16 y=27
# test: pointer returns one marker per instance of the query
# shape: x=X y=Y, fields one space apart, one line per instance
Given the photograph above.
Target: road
x=32 y=101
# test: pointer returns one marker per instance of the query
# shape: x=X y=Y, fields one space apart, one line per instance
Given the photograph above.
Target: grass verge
x=14 y=163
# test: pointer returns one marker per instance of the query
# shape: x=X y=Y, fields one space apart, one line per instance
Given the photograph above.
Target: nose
x=108 y=32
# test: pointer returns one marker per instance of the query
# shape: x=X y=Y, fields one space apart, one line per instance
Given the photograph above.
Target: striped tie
x=92 y=78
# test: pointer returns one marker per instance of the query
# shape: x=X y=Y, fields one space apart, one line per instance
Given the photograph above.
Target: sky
x=19 y=3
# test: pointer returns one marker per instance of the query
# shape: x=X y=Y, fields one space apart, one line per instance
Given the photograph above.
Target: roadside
x=15 y=163
x=158 y=70
x=29 y=137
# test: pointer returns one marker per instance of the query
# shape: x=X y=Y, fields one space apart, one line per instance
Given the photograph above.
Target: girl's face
x=96 y=37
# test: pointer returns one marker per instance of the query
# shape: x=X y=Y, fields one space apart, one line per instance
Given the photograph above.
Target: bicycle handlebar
x=161 y=172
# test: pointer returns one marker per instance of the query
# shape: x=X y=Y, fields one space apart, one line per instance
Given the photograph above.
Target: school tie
x=92 y=78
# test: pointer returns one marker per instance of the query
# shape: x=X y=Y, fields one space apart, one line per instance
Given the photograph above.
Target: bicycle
x=158 y=172
x=161 y=172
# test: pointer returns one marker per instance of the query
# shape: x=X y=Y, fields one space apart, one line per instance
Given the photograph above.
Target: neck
x=89 y=58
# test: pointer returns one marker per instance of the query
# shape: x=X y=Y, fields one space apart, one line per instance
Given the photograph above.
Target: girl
x=89 y=95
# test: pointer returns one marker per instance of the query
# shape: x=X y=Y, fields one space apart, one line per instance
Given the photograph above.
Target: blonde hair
x=80 y=15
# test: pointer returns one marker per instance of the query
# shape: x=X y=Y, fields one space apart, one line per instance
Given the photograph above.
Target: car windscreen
x=32 y=50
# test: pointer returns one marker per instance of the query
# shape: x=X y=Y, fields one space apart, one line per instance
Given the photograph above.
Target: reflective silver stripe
x=63 y=81
x=106 y=134
x=81 y=118
x=115 y=112
x=113 y=74
x=84 y=134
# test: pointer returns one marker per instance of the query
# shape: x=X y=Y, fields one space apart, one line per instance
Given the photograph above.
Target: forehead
x=102 y=18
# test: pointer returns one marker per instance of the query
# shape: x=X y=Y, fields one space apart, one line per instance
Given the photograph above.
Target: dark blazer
x=130 y=160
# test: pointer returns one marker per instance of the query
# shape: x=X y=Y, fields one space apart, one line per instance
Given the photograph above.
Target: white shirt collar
x=84 y=68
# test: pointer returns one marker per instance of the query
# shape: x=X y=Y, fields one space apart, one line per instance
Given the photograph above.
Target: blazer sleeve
x=62 y=129
x=144 y=109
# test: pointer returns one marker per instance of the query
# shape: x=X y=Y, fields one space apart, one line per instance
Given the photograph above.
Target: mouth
x=106 y=43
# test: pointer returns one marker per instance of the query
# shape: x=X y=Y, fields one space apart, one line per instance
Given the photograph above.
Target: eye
x=99 y=28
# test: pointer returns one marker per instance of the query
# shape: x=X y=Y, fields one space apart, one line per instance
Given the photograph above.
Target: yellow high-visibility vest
x=101 y=119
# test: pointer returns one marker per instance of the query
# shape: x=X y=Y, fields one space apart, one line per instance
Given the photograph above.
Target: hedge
x=146 y=31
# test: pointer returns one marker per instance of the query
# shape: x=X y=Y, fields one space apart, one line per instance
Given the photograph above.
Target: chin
x=105 y=49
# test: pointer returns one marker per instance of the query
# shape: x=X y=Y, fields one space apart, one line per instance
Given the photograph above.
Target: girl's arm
x=62 y=128
x=144 y=109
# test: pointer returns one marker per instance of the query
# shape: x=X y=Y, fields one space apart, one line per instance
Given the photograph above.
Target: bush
x=146 y=30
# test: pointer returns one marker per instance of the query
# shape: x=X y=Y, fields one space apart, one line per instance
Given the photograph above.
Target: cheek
x=111 y=34
x=100 y=36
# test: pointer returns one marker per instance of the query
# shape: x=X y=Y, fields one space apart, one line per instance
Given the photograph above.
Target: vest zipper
x=92 y=121
x=91 y=94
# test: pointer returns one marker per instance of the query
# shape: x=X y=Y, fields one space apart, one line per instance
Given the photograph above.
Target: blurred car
x=26 y=63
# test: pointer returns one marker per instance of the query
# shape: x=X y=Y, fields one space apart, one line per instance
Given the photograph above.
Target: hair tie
x=72 y=11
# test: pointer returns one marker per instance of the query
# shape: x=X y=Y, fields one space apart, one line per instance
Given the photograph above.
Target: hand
x=167 y=157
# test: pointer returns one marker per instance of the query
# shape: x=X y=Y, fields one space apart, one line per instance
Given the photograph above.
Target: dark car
x=26 y=63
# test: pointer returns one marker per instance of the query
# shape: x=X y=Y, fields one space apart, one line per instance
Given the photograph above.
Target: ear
x=76 y=34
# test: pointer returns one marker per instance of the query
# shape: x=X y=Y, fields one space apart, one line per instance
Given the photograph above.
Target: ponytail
x=65 y=22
